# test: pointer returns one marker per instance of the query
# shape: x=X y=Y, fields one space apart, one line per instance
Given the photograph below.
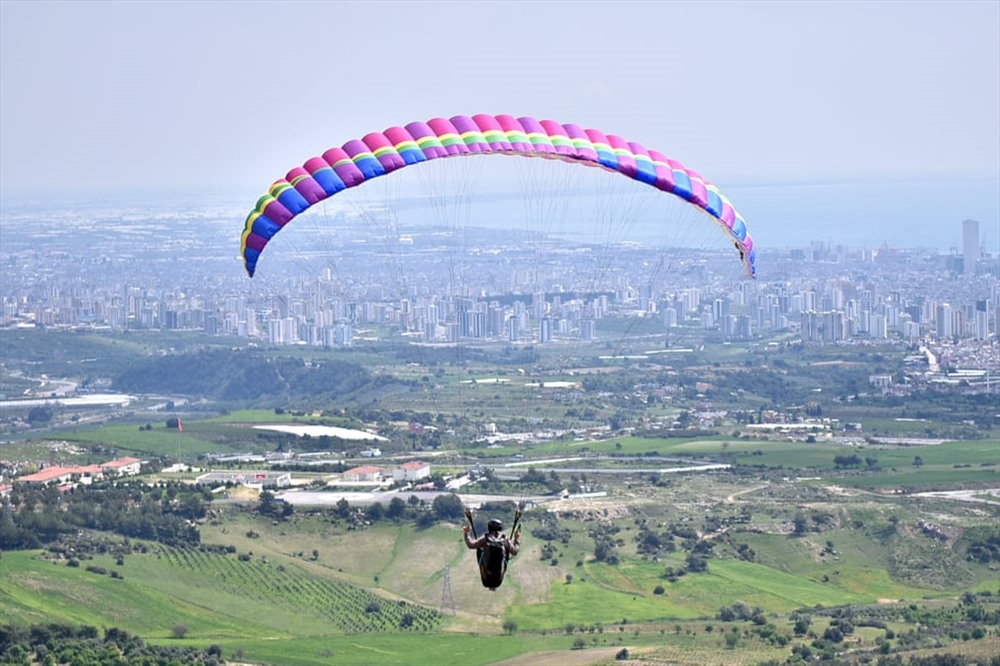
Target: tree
x=696 y=563
x=448 y=507
x=191 y=507
x=801 y=524
x=833 y=634
x=605 y=549
x=39 y=415
x=894 y=520
x=179 y=630
x=397 y=508
x=375 y=511
x=918 y=461
x=268 y=504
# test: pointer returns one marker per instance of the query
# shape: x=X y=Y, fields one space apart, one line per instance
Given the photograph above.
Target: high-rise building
x=944 y=321
x=344 y=334
x=514 y=328
x=970 y=245
x=545 y=330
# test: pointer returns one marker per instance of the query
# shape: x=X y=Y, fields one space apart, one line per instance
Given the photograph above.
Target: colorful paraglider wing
x=379 y=153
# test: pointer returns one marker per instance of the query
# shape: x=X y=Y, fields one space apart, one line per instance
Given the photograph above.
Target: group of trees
x=445 y=508
x=984 y=545
x=32 y=517
x=854 y=460
x=651 y=543
x=243 y=376
x=67 y=644
x=605 y=543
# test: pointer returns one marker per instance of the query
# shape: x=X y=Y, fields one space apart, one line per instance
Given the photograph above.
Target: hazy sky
x=229 y=95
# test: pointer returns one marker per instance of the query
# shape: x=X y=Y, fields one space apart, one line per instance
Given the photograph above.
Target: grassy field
x=608 y=595
x=221 y=598
x=984 y=455
x=932 y=477
x=301 y=595
x=316 y=590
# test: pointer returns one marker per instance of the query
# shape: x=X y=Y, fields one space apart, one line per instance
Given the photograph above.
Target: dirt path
x=745 y=491
x=562 y=657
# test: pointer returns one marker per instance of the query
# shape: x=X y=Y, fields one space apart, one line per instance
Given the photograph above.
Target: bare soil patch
x=562 y=658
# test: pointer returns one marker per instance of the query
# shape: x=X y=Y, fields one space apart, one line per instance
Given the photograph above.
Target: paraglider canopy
x=380 y=153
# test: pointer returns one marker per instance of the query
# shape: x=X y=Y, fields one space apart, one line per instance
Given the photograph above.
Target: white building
x=252 y=479
x=412 y=471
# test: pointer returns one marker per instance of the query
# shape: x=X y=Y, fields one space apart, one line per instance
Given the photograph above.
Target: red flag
x=180 y=426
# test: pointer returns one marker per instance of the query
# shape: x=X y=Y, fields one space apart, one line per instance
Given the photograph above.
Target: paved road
x=965 y=495
x=313 y=498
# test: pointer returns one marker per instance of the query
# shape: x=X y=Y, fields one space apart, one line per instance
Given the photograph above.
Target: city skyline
x=497 y=289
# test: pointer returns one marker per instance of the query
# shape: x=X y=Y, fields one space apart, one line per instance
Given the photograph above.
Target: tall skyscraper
x=545 y=330
x=970 y=245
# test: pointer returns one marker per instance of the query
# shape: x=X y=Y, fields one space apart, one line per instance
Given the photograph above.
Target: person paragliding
x=493 y=549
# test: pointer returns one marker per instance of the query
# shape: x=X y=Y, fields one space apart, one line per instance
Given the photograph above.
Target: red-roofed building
x=54 y=474
x=89 y=471
x=122 y=466
x=412 y=471
x=59 y=474
x=365 y=473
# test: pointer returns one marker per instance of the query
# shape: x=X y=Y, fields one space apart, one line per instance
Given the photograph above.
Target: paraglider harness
x=493 y=555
